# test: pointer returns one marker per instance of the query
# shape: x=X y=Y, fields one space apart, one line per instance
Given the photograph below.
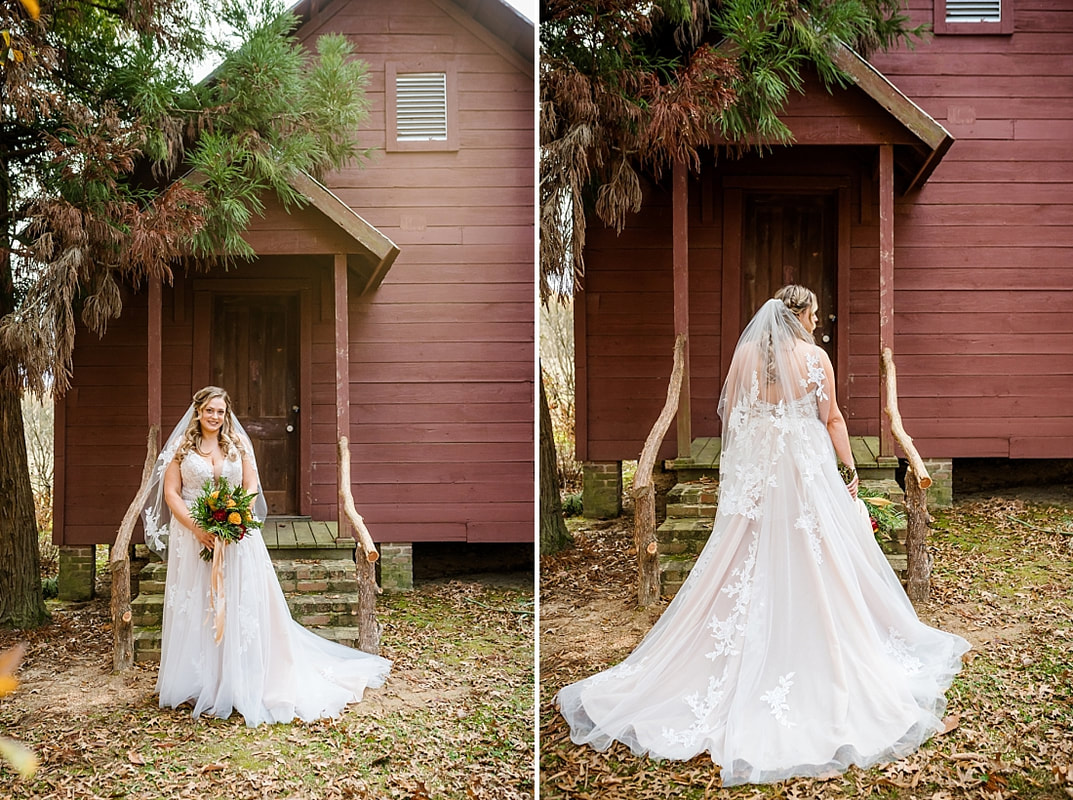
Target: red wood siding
x=983 y=258
x=441 y=355
x=984 y=252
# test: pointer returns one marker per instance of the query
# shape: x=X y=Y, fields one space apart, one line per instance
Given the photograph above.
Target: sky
x=527 y=7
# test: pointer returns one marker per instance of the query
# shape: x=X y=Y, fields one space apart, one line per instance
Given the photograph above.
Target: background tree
x=628 y=87
x=99 y=124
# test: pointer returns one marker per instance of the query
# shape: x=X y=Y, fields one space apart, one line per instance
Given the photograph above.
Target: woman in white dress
x=791 y=649
x=237 y=648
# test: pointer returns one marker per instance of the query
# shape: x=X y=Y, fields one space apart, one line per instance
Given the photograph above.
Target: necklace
x=202 y=452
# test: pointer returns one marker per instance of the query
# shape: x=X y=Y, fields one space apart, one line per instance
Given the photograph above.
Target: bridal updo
x=797 y=299
x=230 y=444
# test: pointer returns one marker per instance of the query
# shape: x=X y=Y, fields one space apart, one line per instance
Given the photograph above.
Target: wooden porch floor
x=705 y=453
x=302 y=537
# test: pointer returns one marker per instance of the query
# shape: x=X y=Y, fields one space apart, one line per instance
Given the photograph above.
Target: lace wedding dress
x=266 y=666
x=791 y=649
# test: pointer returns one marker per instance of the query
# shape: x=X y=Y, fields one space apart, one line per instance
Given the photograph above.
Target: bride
x=791 y=649
x=236 y=648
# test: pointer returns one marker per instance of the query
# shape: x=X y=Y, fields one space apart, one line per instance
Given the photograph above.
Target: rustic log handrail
x=917 y=482
x=643 y=491
x=368 y=627
x=896 y=426
x=364 y=539
x=119 y=563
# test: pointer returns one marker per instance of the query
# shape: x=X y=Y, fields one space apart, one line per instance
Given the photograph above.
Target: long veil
x=156 y=516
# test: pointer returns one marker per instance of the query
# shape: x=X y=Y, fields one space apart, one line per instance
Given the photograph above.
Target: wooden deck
x=302 y=537
x=705 y=452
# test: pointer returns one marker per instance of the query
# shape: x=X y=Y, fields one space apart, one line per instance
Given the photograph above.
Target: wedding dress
x=266 y=666
x=791 y=649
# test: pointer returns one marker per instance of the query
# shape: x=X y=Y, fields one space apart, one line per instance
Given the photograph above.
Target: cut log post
x=644 y=492
x=916 y=508
x=119 y=564
x=368 y=627
x=917 y=482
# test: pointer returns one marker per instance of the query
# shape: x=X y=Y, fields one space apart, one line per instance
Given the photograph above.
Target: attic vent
x=973 y=10
x=421 y=106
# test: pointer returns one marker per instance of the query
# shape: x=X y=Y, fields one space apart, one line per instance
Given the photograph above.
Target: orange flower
x=234 y=518
x=231 y=502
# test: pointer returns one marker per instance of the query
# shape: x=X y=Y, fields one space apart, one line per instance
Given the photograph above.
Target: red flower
x=875 y=525
x=242 y=535
x=220 y=515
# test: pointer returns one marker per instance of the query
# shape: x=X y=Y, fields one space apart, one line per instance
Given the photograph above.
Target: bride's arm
x=173 y=484
x=836 y=424
x=249 y=474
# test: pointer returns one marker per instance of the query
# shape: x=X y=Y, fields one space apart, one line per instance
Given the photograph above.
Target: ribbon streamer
x=217 y=596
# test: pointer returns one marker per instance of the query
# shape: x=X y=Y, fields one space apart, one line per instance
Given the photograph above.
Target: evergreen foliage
x=114 y=166
x=629 y=86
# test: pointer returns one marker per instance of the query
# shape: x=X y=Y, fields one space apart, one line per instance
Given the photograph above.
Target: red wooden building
x=930 y=205
x=395 y=309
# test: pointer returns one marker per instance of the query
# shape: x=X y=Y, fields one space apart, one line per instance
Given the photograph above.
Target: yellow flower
x=212 y=504
x=234 y=518
x=215 y=494
x=249 y=517
x=231 y=502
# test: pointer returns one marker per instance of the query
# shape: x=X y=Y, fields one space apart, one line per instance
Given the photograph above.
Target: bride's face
x=212 y=415
x=809 y=319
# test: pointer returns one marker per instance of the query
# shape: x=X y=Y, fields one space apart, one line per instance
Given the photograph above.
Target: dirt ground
x=1002 y=578
x=454 y=719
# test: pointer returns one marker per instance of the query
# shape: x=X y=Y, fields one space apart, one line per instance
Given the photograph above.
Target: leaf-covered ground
x=1001 y=584
x=454 y=720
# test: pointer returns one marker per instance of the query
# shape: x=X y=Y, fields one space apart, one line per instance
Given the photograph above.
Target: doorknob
x=826 y=338
x=290 y=429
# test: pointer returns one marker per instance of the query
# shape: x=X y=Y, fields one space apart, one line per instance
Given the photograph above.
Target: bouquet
x=224 y=511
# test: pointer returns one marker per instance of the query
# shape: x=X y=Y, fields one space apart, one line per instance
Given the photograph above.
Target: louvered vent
x=421 y=106
x=973 y=10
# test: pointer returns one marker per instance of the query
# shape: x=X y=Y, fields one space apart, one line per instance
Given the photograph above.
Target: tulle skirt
x=266 y=666
x=791 y=650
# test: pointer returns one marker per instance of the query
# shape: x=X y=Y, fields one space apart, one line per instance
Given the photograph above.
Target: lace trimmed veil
x=776 y=366
x=156 y=516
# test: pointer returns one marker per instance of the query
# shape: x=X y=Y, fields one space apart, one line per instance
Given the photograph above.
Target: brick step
x=147 y=640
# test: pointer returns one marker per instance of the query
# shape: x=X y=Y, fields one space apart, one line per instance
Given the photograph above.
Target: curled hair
x=230 y=444
x=795 y=299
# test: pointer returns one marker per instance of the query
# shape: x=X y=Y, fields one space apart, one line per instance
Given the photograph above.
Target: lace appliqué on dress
x=808 y=523
x=776 y=699
x=897 y=648
x=815 y=377
x=728 y=631
x=702 y=709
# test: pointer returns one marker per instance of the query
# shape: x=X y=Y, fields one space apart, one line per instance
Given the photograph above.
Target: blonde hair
x=796 y=298
x=230 y=444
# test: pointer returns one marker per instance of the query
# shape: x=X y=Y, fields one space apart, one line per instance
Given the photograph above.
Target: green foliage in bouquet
x=224 y=511
x=886 y=518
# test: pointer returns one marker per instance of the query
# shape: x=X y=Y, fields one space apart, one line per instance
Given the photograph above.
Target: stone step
x=147 y=640
x=673 y=571
x=333 y=575
x=333 y=610
x=689 y=535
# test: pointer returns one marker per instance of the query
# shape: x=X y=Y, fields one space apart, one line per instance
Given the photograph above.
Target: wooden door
x=255 y=357
x=791 y=238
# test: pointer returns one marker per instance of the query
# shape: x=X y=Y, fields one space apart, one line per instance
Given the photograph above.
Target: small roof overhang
x=919 y=141
x=326 y=226
x=933 y=140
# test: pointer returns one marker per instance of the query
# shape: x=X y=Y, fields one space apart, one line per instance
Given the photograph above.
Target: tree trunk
x=553 y=534
x=916 y=508
x=22 y=605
